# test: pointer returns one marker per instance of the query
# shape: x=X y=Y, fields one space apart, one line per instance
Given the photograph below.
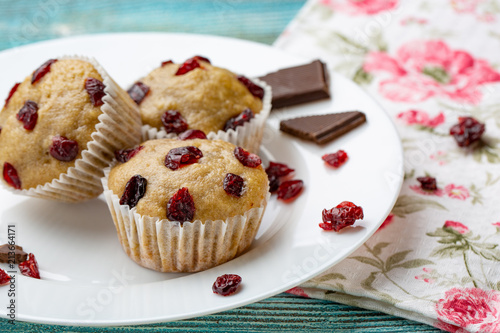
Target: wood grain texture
x=283 y=312
x=27 y=21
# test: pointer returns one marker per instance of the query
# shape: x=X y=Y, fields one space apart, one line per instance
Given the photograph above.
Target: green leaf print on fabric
x=458 y=241
x=394 y=261
x=353 y=53
x=407 y=204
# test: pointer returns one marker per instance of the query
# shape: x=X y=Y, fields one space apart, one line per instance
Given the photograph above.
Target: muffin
x=197 y=95
x=60 y=128
x=186 y=206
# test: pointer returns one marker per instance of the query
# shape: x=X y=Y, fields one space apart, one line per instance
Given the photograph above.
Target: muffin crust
x=64 y=109
x=204 y=179
x=206 y=97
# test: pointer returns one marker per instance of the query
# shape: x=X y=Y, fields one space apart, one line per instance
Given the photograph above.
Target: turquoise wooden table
x=25 y=21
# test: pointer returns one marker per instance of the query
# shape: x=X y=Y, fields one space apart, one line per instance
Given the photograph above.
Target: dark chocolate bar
x=16 y=256
x=300 y=84
x=323 y=128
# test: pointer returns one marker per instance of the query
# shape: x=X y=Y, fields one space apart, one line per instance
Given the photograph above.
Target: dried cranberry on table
x=63 y=149
x=42 y=70
x=233 y=185
x=135 y=189
x=467 y=131
x=226 y=284
x=4 y=278
x=255 y=90
x=246 y=158
x=182 y=156
x=28 y=115
x=30 y=267
x=336 y=159
x=181 y=207
x=138 y=92
x=290 y=189
x=10 y=176
x=188 y=66
x=427 y=183
x=341 y=216
x=124 y=155
x=192 y=134
x=95 y=89
x=174 y=122
x=11 y=92
x=239 y=120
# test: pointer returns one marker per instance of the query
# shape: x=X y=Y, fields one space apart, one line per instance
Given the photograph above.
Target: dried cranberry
x=10 y=176
x=11 y=92
x=28 y=115
x=275 y=171
x=167 y=62
x=30 y=267
x=233 y=185
x=226 y=284
x=467 y=131
x=290 y=189
x=178 y=157
x=278 y=169
x=124 y=155
x=4 y=278
x=188 y=66
x=239 y=120
x=134 y=191
x=95 y=89
x=198 y=57
x=255 y=90
x=180 y=207
x=138 y=92
x=341 y=216
x=192 y=134
x=63 y=149
x=246 y=158
x=274 y=183
x=427 y=183
x=42 y=70
x=336 y=159
x=174 y=122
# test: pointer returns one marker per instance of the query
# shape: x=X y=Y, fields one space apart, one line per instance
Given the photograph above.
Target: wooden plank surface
x=27 y=21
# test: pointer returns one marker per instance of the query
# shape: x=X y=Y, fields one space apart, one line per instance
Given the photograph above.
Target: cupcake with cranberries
x=60 y=128
x=186 y=205
x=198 y=96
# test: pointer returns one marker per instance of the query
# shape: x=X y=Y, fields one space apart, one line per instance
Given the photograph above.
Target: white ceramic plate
x=86 y=277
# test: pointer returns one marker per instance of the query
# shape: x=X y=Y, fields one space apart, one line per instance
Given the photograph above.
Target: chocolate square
x=299 y=84
x=323 y=128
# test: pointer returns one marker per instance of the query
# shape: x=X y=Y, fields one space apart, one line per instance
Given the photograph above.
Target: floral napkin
x=436 y=258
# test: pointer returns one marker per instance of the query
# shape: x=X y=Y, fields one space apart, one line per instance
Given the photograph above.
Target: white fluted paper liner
x=168 y=246
x=248 y=136
x=119 y=127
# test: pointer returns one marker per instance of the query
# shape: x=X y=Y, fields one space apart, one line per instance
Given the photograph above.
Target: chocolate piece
x=300 y=84
x=323 y=128
x=18 y=256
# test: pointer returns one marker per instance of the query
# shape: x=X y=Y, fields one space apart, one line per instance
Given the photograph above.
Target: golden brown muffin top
x=207 y=96
x=204 y=179
x=64 y=109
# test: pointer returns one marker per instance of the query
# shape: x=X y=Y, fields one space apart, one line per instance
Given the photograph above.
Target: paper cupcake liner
x=119 y=127
x=248 y=136
x=169 y=246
